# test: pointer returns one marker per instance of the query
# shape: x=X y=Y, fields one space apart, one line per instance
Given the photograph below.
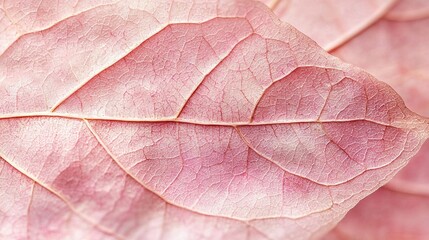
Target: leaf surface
x=18 y=18
x=407 y=72
x=402 y=46
x=405 y=68
x=374 y=214
x=210 y=120
x=395 y=52
x=409 y=10
x=330 y=23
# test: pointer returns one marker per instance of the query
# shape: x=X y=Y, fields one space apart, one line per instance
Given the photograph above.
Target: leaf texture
x=328 y=22
x=376 y=219
x=18 y=18
x=405 y=68
x=402 y=46
x=407 y=72
x=395 y=52
x=409 y=10
x=205 y=120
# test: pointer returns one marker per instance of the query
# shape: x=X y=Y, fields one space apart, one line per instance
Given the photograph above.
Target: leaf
x=402 y=46
x=409 y=10
x=330 y=23
x=407 y=72
x=172 y=120
x=399 y=56
x=376 y=219
x=18 y=18
x=414 y=178
x=405 y=68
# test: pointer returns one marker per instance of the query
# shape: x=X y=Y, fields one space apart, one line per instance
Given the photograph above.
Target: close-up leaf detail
x=394 y=49
x=198 y=119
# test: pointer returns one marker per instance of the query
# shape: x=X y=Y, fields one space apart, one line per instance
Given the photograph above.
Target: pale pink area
x=269 y=3
x=406 y=10
x=186 y=225
x=329 y=22
x=89 y=196
x=382 y=216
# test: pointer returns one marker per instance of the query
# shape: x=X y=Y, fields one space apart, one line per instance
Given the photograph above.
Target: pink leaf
x=407 y=72
x=402 y=46
x=409 y=10
x=381 y=216
x=399 y=210
x=330 y=23
x=179 y=120
x=397 y=53
x=405 y=68
x=18 y=18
